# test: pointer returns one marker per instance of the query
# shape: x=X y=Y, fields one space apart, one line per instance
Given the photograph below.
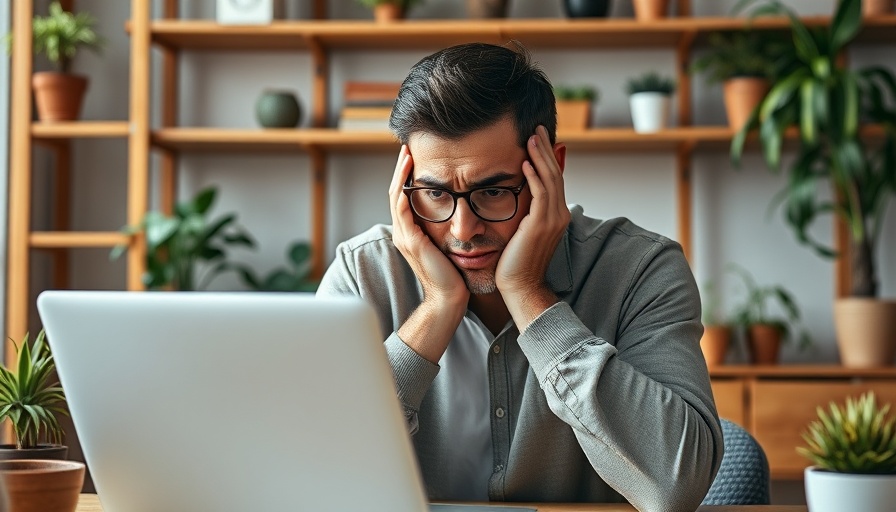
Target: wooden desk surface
x=90 y=503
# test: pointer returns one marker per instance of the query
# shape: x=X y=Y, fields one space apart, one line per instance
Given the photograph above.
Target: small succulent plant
x=651 y=82
x=858 y=438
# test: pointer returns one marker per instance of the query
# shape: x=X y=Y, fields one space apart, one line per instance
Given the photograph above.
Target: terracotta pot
x=573 y=115
x=58 y=95
x=714 y=344
x=42 y=485
x=385 y=13
x=877 y=7
x=764 y=342
x=742 y=94
x=43 y=451
x=650 y=10
x=487 y=8
x=866 y=331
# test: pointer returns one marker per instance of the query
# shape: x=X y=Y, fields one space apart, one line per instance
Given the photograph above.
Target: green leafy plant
x=177 y=244
x=61 y=34
x=29 y=398
x=828 y=101
x=651 y=82
x=756 y=304
x=293 y=278
x=856 y=438
x=739 y=54
x=576 y=93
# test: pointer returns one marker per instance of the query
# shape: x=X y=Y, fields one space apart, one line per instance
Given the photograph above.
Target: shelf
x=80 y=129
x=79 y=239
x=540 y=33
x=801 y=371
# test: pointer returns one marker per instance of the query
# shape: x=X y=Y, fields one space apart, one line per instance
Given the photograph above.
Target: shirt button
x=499 y=412
x=496 y=349
x=499 y=468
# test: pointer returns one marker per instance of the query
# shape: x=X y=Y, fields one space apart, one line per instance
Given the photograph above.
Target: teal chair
x=743 y=477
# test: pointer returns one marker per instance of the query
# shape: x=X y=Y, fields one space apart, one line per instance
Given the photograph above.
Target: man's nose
x=464 y=223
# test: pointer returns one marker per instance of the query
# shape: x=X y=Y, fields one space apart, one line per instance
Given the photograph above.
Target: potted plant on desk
x=853 y=452
x=837 y=168
x=34 y=470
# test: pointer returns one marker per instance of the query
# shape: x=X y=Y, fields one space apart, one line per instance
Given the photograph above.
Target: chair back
x=743 y=477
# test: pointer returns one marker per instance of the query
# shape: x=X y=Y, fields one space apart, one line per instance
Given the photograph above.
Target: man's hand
x=520 y=275
x=445 y=295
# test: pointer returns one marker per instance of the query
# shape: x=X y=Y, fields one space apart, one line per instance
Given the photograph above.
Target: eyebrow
x=429 y=181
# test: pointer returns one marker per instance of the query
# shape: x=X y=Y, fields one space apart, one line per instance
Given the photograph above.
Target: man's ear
x=560 y=155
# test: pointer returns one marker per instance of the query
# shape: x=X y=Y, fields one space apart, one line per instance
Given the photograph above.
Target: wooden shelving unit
x=320 y=38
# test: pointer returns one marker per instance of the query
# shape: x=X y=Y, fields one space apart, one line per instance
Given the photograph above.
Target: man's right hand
x=445 y=295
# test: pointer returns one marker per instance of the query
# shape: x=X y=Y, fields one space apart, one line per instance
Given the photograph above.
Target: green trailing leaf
x=29 y=399
x=180 y=243
x=828 y=102
x=293 y=278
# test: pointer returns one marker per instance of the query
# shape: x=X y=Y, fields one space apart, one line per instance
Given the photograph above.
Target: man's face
x=488 y=157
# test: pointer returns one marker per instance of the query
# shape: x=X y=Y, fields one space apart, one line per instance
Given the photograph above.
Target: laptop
x=239 y=401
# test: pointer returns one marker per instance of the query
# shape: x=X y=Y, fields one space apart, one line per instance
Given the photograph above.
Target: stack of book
x=367 y=105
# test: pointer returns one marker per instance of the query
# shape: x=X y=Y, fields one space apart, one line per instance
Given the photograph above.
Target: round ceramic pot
x=827 y=491
x=278 y=109
x=42 y=485
x=866 y=331
x=586 y=8
x=650 y=111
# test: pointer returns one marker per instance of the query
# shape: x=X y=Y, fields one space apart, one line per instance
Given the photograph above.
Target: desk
x=90 y=503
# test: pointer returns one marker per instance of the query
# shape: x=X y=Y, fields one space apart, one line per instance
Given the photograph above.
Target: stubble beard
x=481 y=281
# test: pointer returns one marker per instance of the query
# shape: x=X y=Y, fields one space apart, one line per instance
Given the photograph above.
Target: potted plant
x=650 y=10
x=389 y=10
x=763 y=331
x=574 y=106
x=716 y=328
x=293 y=278
x=59 y=94
x=744 y=63
x=177 y=244
x=30 y=399
x=829 y=101
x=649 y=101
x=34 y=471
x=877 y=7
x=853 y=452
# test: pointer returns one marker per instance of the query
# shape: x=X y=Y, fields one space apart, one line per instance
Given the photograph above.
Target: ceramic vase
x=586 y=8
x=650 y=111
x=827 y=491
x=278 y=109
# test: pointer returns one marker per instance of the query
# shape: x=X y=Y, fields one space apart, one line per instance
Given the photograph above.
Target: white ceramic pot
x=827 y=491
x=650 y=111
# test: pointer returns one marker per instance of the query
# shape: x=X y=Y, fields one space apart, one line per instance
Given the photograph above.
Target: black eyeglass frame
x=466 y=195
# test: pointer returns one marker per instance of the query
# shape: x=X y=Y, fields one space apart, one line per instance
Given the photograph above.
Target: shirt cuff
x=413 y=374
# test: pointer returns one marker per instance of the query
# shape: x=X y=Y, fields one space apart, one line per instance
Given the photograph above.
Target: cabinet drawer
x=729 y=396
x=782 y=410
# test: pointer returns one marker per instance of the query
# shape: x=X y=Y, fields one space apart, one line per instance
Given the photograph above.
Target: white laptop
x=206 y=401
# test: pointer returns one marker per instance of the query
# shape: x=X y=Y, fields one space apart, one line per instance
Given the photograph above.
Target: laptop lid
x=232 y=401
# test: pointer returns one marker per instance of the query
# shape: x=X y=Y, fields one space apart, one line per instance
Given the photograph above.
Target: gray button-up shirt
x=604 y=398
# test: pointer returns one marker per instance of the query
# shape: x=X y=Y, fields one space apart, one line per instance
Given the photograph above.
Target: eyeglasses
x=491 y=204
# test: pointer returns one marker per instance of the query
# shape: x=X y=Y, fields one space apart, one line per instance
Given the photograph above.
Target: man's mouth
x=476 y=260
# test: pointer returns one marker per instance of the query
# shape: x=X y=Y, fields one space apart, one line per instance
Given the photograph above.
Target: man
x=539 y=355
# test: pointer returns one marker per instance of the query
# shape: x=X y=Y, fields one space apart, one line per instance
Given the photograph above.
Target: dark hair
x=464 y=88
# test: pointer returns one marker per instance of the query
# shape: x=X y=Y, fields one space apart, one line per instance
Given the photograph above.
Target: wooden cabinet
x=776 y=403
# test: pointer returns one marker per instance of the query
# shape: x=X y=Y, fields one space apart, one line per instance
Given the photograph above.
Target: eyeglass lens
x=491 y=204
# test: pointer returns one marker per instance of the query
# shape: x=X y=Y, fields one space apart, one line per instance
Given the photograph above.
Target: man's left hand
x=520 y=276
